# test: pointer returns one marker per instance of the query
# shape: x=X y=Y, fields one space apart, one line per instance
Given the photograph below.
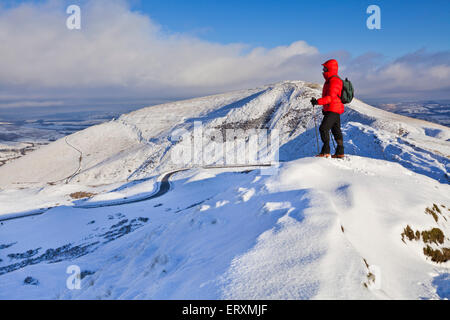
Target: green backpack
x=347 y=93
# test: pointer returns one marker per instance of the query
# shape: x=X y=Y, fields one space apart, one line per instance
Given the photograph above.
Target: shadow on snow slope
x=81 y=233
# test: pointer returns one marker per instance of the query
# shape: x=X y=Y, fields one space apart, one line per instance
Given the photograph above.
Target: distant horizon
x=30 y=112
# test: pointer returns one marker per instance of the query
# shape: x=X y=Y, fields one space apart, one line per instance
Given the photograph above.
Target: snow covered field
x=307 y=229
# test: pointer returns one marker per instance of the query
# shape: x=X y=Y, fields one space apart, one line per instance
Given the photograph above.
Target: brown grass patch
x=81 y=195
x=435 y=235
x=313 y=85
x=436 y=255
x=408 y=233
x=436 y=211
x=432 y=213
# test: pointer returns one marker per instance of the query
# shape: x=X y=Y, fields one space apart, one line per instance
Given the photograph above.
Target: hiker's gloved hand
x=314 y=101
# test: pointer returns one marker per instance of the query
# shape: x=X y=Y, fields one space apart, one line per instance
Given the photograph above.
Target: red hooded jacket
x=331 y=93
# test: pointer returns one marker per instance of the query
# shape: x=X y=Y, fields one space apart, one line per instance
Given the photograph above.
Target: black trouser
x=331 y=120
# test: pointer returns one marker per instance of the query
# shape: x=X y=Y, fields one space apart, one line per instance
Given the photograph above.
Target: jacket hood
x=332 y=66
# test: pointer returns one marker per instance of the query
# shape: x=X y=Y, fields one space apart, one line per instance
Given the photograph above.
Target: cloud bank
x=119 y=53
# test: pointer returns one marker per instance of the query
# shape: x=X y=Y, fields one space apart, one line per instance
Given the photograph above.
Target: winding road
x=163 y=187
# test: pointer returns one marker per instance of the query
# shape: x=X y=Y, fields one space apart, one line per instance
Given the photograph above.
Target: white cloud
x=441 y=72
x=121 y=53
x=417 y=75
x=120 y=48
x=31 y=103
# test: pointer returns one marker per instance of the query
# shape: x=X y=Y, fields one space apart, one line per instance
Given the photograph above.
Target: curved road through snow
x=164 y=187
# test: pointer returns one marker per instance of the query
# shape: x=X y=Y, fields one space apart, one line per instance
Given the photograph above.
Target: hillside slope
x=138 y=144
x=372 y=226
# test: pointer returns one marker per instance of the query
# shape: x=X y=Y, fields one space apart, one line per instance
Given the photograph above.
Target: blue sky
x=328 y=25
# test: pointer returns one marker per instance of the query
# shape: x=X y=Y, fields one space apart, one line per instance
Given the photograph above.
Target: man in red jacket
x=332 y=109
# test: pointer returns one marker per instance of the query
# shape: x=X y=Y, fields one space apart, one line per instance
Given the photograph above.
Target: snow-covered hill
x=138 y=144
x=309 y=228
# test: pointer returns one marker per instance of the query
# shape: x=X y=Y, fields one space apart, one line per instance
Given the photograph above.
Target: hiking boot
x=339 y=148
x=323 y=155
x=338 y=156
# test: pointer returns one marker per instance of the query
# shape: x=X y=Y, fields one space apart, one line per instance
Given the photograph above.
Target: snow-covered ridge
x=138 y=144
x=314 y=228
